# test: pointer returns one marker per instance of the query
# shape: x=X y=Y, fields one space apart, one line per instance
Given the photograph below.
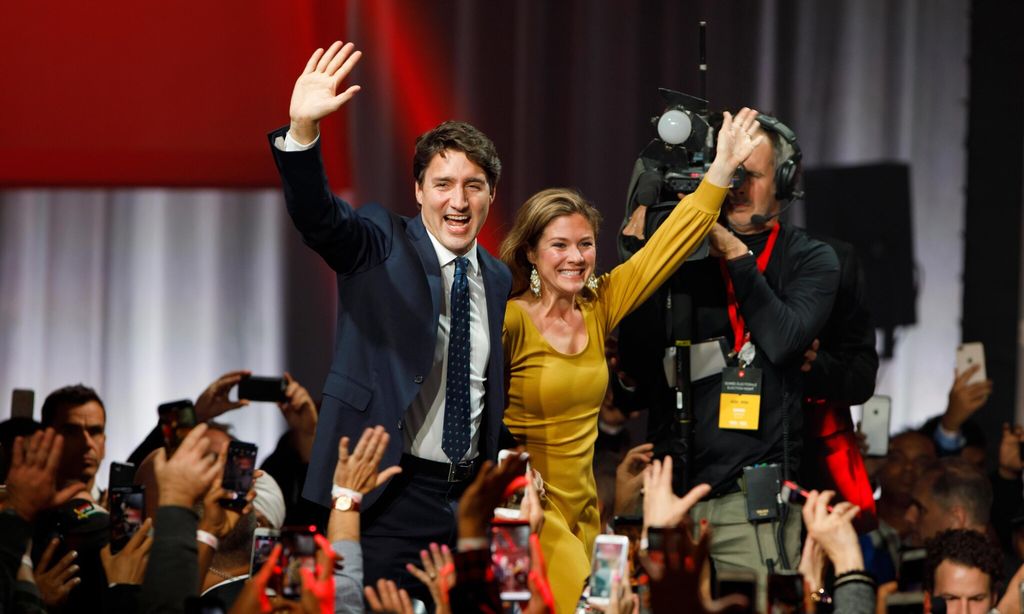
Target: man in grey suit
x=420 y=311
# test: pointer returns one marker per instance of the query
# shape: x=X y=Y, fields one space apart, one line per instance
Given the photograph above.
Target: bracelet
x=207 y=538
x=472 y=543
x=337 y=491
x=854 y=575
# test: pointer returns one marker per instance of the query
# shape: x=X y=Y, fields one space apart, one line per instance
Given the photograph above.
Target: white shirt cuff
x=288 y=143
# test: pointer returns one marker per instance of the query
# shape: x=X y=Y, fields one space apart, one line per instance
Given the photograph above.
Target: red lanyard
x=739 y=329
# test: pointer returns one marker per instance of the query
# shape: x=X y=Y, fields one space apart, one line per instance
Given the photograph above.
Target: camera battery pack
x=762 y=486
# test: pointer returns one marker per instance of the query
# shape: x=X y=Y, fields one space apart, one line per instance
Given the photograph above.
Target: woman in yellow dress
x=555 y=328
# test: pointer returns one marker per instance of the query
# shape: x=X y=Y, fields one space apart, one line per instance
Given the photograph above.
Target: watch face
x=344 y=503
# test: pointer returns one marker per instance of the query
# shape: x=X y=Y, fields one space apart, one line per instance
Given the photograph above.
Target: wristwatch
x=345 y=499
x=345 y=503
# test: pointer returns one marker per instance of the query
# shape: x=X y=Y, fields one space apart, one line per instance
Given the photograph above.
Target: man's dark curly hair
x=967 y=548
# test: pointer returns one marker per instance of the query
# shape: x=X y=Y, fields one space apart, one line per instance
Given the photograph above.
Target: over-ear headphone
x=787 y=171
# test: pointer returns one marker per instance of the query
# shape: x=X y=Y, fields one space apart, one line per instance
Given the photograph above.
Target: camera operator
x=767 y=290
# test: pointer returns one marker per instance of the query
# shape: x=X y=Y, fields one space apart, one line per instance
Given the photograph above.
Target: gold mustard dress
x=553 y=398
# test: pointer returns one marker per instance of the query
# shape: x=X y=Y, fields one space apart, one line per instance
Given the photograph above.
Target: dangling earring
x=592 y=283
x=534 y=282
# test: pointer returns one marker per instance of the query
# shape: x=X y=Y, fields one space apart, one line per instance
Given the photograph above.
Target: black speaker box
x=869 y=207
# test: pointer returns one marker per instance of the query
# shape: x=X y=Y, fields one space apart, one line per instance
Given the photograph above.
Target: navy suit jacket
x=389 y=300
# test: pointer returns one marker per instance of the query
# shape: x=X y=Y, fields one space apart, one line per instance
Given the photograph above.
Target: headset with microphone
x=787 y=172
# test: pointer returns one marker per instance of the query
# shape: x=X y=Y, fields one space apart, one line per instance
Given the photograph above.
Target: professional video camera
x=673 y=163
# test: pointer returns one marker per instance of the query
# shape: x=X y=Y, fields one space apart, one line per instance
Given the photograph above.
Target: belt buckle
x=458 y=472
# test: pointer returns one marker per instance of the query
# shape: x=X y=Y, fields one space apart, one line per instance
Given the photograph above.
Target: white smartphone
x=509 y=509
x=968 y=355
x=610 y=555
x=263 y=542
x=510 y=558
x=874 y=423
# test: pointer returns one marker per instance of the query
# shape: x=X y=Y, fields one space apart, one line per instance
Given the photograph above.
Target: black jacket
x=784 y=310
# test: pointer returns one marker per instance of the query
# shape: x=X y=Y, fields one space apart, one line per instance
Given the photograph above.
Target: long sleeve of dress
x=633 y=281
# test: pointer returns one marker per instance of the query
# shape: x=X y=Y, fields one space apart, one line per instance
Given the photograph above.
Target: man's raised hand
x=315 y=95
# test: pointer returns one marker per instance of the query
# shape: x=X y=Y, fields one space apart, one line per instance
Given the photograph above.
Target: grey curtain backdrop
x=150 y=294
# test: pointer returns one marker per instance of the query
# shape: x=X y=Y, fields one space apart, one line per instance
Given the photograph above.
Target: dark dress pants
x=416 y=508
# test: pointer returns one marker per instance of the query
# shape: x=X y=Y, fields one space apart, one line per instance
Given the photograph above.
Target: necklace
x=220 y=573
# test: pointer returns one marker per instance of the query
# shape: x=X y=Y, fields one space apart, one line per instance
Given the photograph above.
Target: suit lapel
x=428 y=258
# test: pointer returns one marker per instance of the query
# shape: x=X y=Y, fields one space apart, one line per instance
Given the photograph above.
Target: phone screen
x=510 y=559
x=263 y=542
x=177 y=419
x=238 y=470
x=298 y=550
x=609 y=558
x=126 y=511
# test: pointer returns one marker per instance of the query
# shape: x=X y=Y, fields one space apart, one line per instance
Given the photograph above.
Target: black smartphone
x=737 y=582
x=177 y=419
x=910 y=577
x=265 y=389
x=908 y=603
x=23 y=403
x=122 y=475
x=263 y=542
x=127 y=506
x=298 y=551
x=785 y=592
x=237 y=480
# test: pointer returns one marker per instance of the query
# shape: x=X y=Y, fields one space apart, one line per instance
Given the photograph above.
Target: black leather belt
x=451 y=472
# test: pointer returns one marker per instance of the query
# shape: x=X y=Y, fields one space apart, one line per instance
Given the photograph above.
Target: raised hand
x=476 y=508
x=388 y=598
x=438 y=574
x=299 y=412
x=629 y=477
x=32 y=478
x=214 y=400
x=187 y=475
x=360 y=470
x=662 y=508
x=965 y=398
x=833 y=530
x=735 y=143
x=56 y=580
x=129 y=565
x=316 y=90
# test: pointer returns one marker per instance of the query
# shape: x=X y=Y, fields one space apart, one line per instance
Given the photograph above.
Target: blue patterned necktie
x=455 y=441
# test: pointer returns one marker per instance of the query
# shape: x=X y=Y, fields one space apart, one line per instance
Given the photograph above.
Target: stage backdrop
x=145 y=248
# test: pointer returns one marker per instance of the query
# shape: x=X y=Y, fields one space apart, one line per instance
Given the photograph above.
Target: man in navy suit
x=420 y=311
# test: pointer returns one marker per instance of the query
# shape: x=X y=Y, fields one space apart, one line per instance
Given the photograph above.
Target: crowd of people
x=388 y=494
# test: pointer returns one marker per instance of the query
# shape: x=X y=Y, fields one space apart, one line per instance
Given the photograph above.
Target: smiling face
x=454 y=199
x=756 y=195
x=565 y=255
